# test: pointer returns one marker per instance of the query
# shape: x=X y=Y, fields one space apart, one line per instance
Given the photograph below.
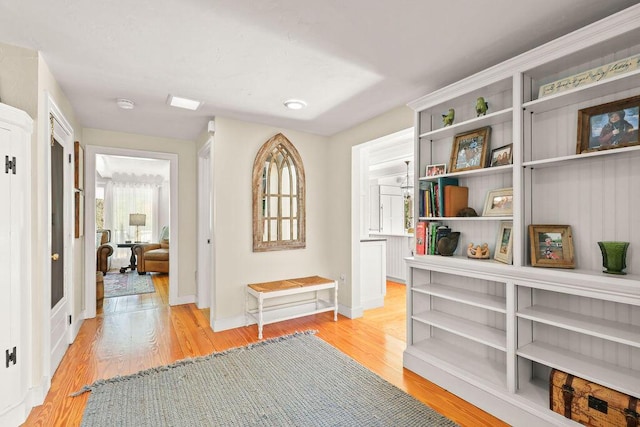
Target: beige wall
x=235 y=146
x=186 y=151
x=339 y=182
x=19 y=78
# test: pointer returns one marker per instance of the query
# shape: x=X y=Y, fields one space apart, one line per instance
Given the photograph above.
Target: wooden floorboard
x=138 y=332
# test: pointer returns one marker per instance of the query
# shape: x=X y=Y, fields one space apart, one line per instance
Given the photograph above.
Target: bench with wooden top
x=291 y=310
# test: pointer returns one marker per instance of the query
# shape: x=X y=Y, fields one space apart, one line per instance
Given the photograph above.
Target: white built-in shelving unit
x=492 y=332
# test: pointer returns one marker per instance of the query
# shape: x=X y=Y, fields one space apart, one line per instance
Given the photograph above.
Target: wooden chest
x=591 y=404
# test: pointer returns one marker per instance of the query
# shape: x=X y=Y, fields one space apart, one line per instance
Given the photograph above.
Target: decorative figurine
x=481 y=107
x=468 y=212
x=447 y=119
x=478 y=252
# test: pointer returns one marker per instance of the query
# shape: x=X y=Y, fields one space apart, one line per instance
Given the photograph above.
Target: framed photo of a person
x=499 y=202
x=551 y=246
x=435 y=170
x=502 y=156
x=607 y=126
x=470 y=150
x=504 y=243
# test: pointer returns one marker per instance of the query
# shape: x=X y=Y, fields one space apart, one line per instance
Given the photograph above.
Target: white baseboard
x=350 y=312
x=185 y=299
x=76 y=325
x=373 y=303
x=231 y=323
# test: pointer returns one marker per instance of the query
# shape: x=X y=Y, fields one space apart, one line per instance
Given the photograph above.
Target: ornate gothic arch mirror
x=278 y=197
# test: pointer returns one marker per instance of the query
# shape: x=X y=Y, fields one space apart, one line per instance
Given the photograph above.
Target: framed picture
x=470 y=150
x=607 y=126
x=79 y=214
x=504 y=243
x=78 y=154
x=435 y=170
x=499 y=202
x=502 y=156
x=551 y=246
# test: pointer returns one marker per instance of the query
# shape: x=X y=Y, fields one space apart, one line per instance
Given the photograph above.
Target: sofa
x=153 y=257
x=104 y=251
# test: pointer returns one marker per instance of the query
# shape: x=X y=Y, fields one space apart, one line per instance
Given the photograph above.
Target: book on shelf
x=433 y=227
x=442 y=183
x=456 y=198
x=421 y=234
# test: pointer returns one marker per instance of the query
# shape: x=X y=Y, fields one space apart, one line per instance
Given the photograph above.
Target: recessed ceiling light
x=189 y=104
x=295 y=104
x=125 y=104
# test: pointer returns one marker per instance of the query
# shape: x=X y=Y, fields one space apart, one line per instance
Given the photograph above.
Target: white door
x=59 y=298
x=204 y=227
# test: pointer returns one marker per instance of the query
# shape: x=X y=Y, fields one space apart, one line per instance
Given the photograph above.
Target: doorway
x=121 y=231
x=206 y=259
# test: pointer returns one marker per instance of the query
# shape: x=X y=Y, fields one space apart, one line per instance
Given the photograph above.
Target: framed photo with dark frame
x=502 y=156
x=499 y=202
x=504 y=243
x=78 y=173
x=435 y=170
x=470 y=150
x=551 y=246
x=607 y=126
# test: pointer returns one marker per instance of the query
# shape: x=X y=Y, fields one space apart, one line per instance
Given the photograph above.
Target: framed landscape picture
x=499 y=202
x=470 y=150
x=435 y=170
x=551 y=246
x=607 y=126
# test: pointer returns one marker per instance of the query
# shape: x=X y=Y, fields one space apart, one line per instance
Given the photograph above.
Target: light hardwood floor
x=138 y=332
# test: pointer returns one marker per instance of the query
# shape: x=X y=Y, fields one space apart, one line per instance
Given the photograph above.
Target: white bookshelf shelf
x=466 y=218
x=476 y=299
x=474 y=331
x=564 y=160
x=606 y=329
x=618 y=378
x=471 y=173
x=490 y=119
x=469 y=365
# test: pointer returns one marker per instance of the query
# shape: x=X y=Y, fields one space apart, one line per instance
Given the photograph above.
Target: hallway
x=141 y=331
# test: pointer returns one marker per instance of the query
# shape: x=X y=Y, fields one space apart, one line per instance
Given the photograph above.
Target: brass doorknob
x=55 y=257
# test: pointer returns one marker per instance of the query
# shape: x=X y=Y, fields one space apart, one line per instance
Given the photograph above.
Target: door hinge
x=9 y=164
x=69 y=158
x=11 y=357
x=69 y=319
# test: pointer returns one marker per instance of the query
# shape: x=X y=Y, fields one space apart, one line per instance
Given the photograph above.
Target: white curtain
x=129 y=193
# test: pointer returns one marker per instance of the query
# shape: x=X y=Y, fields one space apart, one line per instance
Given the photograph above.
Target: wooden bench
x=264 y=315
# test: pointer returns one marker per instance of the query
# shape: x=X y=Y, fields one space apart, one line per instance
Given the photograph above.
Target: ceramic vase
x=448 y=244
x=614 y=256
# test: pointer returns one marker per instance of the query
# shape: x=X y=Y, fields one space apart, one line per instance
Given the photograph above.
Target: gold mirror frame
x=278 y=147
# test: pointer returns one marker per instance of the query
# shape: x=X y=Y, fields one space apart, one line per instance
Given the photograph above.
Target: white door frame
x=205 y=227
x=63 y=133
x=359 y=200
x=90 y=225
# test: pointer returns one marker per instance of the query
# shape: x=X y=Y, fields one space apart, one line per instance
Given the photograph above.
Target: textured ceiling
x=350 y=60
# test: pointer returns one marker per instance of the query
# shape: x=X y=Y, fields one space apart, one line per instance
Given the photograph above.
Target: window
x=278 y=197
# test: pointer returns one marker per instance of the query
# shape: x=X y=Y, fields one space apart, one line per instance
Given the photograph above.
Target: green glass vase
x=614 y=256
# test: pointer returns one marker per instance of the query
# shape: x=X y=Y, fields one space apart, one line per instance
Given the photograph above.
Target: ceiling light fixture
x=295 y=104
x=125 y=104
x=189 y=104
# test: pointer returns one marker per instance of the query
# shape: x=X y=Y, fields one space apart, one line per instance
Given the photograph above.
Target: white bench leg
x=260 y=319
x=335 y=303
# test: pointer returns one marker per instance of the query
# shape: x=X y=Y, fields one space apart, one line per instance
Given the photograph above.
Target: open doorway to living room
x=131 y=207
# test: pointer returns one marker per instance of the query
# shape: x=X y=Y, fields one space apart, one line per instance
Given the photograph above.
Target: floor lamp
x=137 y=220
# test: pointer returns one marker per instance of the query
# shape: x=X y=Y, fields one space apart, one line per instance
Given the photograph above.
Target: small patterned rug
x=294 y=380
x=130 y=283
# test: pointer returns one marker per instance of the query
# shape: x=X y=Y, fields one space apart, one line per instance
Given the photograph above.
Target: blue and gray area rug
x=295 y=380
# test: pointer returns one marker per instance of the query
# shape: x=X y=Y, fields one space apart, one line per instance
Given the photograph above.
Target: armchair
x=104 y=251
x=153 y=257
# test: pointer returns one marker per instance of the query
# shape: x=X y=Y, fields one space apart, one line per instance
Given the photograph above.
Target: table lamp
x=137 y=220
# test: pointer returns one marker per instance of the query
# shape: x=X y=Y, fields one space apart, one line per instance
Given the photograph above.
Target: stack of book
x=443 y=198
x=427 y=235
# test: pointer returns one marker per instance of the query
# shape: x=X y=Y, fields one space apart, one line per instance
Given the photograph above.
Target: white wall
x=236 y=144
x=339 y=182
x=186 y=152
x=164 y=205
